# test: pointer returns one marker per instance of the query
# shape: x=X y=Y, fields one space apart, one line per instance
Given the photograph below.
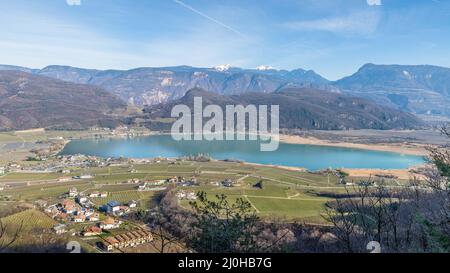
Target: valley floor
x=410 y=142
x=287 y=194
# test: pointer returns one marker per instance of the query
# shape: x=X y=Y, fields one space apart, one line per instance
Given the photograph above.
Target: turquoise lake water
x=294 y=155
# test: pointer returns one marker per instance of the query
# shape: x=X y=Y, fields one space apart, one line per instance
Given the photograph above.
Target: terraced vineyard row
x=29 y=220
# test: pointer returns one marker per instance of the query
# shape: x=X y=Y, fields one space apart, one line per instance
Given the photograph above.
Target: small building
x=130 y=239
x=112 y=206
x=52 y=209
x=86 y=176
x=134 y=181
x=82 y=199
x=156 y=183
x=92 y=231
x=110 y=223
x=79 y=218
x=132 y=204
x=73 y=192
x=103 y=194
x=60 y=229
x=94 y=194
x=186 y=195
x=123 y=210
x=142 y=187
x=94 y=217
x=227 y=183
x=69 y=207
x=64 y=179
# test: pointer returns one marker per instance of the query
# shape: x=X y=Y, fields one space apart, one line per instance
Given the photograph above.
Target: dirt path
x=253 y=206
x=284 y=198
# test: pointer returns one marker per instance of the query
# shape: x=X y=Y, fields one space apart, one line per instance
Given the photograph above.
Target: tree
x=163 y=240
x=436 y=219
x=6 y=240
x=224 y=227
x=409 y=218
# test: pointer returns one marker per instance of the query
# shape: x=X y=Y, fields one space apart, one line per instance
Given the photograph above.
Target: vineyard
x=29 y=219
x=124 y=197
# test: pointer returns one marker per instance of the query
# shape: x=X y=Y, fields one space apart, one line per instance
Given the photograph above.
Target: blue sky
x=332 y=37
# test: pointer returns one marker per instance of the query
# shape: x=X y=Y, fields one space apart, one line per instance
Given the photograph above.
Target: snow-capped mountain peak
x=223 y=67
x=264 y=67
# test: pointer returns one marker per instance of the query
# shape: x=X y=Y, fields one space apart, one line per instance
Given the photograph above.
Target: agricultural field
x=29 y=219
x=285 y=193
x=144 y=198
x=43 y=191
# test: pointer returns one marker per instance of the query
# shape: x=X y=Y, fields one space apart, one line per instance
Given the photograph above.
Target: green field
x=125 y=197
x=291 y=208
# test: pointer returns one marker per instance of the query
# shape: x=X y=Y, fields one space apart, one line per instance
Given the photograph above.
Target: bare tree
x=164 y=241
x=6 y=240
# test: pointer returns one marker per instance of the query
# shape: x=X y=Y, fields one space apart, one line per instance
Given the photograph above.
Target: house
x=2 y=170
x=94 y=217
x=94 y=194
x=142 y=187
x=52 y=209
x=227 y=183
x=92 y=231
x=60 y=229
x=69 y=206
x=2 y=188
x=130 y=239
x=110 y=244
x=82 y=199
x=110 y=223
x=124 y=209
x=112 y=206
x=73 y=192
x=64 y=179
x=79 y=218
x=132 y=204
x=88 y=212
x=61 y=217
x=156 y=183
x=134 y=181
x=186 y=195
x=172 y=180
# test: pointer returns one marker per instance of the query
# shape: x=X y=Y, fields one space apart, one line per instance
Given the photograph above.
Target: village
x=93 y=215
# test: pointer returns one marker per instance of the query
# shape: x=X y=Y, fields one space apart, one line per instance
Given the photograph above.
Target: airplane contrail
x=208 y=17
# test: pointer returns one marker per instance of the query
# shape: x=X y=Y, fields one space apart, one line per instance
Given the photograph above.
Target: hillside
x=30 y=101
x=421 y=89
x=304 y=108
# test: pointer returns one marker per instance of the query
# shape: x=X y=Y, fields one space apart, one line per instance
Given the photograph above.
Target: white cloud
x=374 y=2
x=357 y=23
x=73 y=2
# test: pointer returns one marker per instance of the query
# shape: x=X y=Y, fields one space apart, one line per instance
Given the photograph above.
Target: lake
x=294 y=155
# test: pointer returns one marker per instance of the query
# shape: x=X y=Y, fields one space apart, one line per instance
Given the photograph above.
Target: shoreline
x=403 y=148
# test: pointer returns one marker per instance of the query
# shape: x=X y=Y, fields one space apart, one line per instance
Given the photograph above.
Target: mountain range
x=423 y=90
x=300 y=108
